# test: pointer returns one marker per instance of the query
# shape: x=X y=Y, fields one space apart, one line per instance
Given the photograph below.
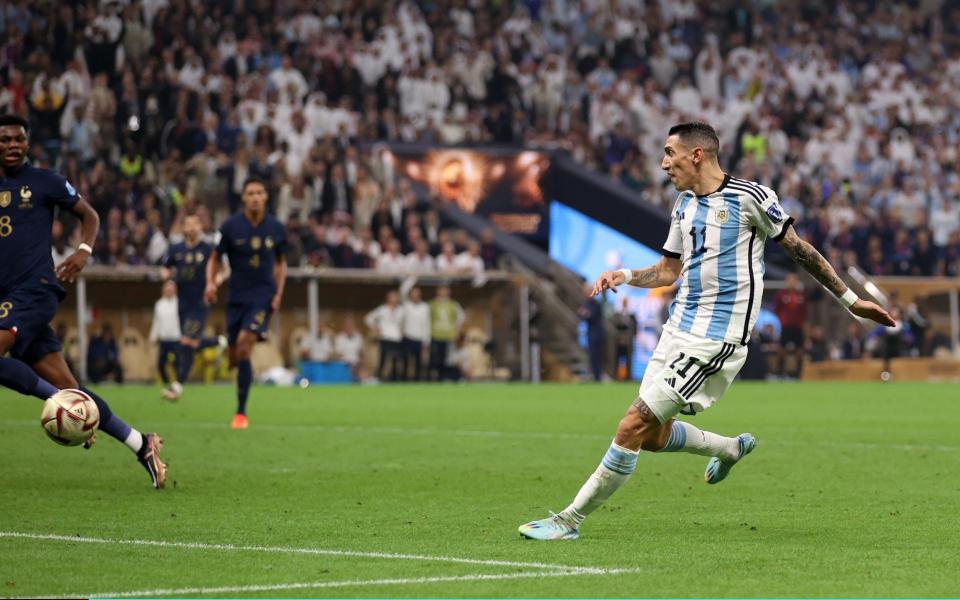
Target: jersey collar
x=723 y=184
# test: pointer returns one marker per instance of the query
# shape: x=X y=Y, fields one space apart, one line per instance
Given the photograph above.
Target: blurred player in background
x=718 y=228
x=30 y=292
x=165 y=331
x=255 y=244
x=187 y=262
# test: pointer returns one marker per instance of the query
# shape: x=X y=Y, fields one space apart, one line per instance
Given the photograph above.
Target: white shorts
x=688 y=373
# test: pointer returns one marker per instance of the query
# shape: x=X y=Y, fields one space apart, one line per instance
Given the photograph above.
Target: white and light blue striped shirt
x=720 y=238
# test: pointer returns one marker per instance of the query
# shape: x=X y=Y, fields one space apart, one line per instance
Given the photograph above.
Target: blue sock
x=244 y=379
x=113 y=425
x=184 y=363
x=620 y=460
x=17 y=376
x=677 y=439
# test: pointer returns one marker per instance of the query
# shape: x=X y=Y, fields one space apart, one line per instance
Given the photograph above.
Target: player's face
x=678 y=163
x=192 y=228
x=254 y=197
x=13 y=146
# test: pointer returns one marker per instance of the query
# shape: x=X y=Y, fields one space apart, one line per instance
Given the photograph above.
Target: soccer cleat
x=717 y=470
x=149 y=457
x=554 y=527
x=239 y=421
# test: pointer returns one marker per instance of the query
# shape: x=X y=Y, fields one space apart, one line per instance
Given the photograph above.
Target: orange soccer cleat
x=239 y=421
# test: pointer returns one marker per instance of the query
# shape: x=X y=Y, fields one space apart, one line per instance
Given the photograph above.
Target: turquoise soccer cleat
x=717 y=470
x=553 y=527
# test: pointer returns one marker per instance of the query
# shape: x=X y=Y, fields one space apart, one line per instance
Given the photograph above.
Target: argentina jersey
x=720 y=239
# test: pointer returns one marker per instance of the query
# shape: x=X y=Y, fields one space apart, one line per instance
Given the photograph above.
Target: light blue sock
x=614 y=470
x=685 y=437
x=677 y=439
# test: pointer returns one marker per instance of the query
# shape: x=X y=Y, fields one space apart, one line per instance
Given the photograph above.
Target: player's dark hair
x=252 y=180
x=15 y=120
x=697 y=134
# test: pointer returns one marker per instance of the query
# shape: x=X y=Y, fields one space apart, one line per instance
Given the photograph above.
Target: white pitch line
x=294 y=550
x=339 y=584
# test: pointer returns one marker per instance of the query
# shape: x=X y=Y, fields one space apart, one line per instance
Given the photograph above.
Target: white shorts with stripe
x=688 y=373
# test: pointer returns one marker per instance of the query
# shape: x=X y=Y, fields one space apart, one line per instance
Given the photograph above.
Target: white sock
x=614 y=470
x=134 y=440
x=684 y=437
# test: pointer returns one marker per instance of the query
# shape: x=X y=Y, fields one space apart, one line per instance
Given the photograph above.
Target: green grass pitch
x=418 y=491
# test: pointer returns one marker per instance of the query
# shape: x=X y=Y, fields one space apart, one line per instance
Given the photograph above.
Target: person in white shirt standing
x=416 y=335
x=166 y=331
x=348 y=346
x=386 y=321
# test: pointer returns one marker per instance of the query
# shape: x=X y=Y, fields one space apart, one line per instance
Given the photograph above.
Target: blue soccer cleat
x=717 y=470
x=554 y=527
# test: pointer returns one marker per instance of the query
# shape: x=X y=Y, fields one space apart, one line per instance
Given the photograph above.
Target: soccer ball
x=70 y=417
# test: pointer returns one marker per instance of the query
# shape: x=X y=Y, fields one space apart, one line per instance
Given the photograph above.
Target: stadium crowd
x=155 y=107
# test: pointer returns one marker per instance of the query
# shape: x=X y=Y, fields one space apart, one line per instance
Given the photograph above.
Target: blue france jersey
x=28 y=197
x=720 y=238
x=191 y=266
x=252 y=252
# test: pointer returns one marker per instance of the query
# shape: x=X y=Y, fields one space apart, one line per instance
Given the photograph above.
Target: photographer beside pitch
x=718 y=228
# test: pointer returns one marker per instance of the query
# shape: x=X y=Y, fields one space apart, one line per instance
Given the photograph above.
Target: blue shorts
x=27 y=312
x=249 y=316
x=192 y=321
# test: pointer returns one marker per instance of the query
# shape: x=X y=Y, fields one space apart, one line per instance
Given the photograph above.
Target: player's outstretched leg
x=614 y=470
x=638 y=429
x=146 y=446
x=19 y=377
x=53 y=368
x=724 y=451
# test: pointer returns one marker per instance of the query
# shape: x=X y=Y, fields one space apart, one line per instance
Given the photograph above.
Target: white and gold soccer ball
x=70 y=417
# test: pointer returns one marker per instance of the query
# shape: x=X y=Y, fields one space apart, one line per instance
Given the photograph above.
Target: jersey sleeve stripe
x=754 y=185
x=745 y=189
x=783 y=231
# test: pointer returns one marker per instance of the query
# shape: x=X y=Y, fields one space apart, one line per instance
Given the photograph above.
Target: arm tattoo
x=645 y=277
x=813 y=262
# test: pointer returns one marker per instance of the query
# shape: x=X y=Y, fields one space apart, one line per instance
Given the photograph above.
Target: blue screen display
x=588 y=248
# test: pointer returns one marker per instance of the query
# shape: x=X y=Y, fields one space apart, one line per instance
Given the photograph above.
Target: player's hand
x=869 y=310
x=608 y=280
x=210 y=294
x=275 y=303
x=71 y=267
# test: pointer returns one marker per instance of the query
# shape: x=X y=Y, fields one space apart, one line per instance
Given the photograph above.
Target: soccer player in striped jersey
x=718 y=228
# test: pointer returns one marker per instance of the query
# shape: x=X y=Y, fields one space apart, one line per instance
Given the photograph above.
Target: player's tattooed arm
x=664 y=272
x=814 y=263
x=805 y=255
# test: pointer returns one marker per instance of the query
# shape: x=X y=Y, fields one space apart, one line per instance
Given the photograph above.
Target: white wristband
x=627 y=275
x=85 y=247
x=849 y=298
